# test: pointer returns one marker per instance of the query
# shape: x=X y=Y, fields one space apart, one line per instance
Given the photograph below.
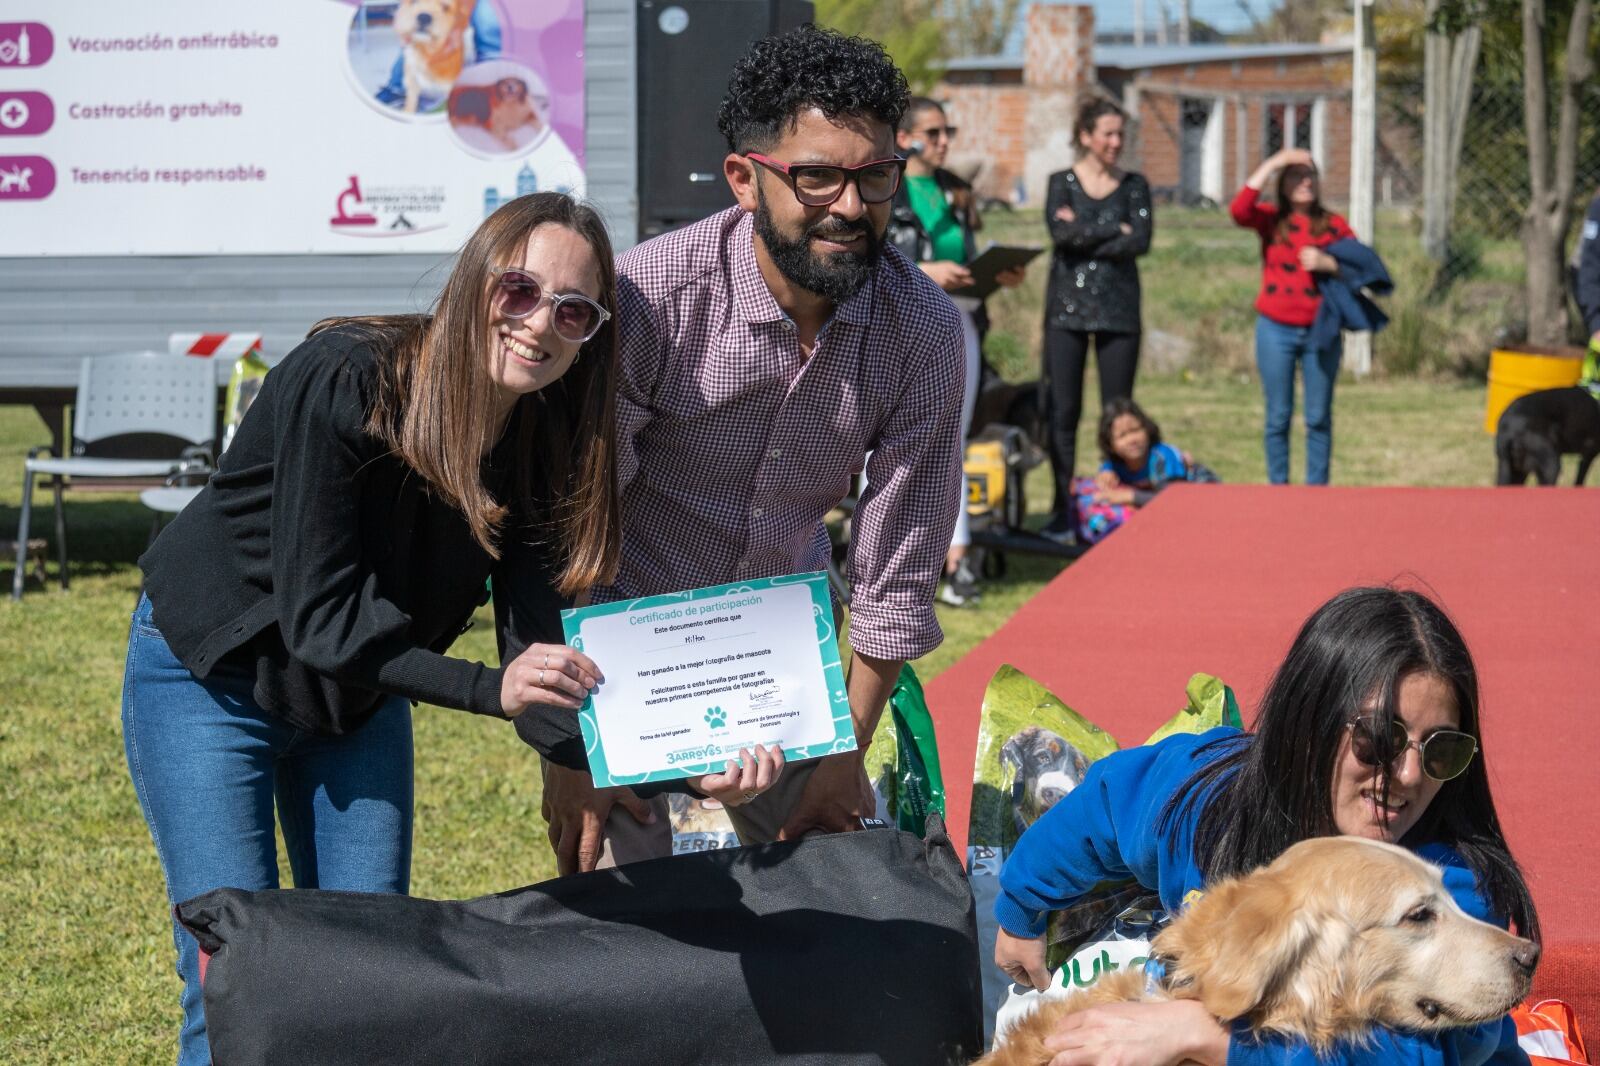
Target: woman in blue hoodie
x=1369 y=728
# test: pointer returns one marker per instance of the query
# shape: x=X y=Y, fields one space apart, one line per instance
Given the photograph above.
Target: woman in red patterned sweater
x=1294 y=231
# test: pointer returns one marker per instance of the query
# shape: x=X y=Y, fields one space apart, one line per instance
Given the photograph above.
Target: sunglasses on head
x=1445 y=753
x=573 y=316
x=820 y=184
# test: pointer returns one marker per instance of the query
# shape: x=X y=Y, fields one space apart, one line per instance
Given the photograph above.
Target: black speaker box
x=686 y=49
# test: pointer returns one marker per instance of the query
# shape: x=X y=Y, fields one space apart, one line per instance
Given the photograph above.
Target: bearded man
x=769 y=355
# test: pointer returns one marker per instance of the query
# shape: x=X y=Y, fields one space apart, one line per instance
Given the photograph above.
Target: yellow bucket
x=1514 y=373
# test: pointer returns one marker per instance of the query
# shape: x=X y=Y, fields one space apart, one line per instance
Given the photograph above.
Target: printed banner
x=693 y=677
x=215 y=127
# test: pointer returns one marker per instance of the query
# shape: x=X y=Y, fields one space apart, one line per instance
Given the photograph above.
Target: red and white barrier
x=206 y=345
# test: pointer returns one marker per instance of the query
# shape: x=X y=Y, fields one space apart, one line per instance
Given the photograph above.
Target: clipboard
x=992 y=261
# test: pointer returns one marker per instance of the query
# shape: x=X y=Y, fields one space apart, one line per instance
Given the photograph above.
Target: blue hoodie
x=1110 y=828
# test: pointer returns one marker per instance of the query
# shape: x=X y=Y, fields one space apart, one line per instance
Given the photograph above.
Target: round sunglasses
x=573 y=316
x=1446 y=753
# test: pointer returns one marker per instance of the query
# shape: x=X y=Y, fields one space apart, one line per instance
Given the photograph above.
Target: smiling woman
x=388 y=469
x=1369 y=729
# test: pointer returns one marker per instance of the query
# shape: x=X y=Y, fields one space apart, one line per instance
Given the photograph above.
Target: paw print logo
x=715 y=718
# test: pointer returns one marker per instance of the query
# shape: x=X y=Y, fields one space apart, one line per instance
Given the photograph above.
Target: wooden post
x=1363 y=147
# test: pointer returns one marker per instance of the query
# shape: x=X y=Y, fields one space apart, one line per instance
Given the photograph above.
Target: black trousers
x=1066 y=352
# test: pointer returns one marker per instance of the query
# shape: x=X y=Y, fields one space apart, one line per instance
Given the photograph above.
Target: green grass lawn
x=83 y=937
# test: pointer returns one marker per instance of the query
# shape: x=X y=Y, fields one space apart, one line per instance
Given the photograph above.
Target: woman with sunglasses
x=934 y=221
x=1369 y=728
x=388 y=469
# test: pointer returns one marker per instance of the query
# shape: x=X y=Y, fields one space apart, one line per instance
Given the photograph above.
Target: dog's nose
x=424 y=19
x=1526 y=957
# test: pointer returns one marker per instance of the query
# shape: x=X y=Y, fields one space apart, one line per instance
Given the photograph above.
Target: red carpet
x=1219 y=577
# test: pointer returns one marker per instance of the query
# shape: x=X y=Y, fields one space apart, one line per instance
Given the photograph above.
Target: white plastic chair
x=182 y=487
x=136 y=414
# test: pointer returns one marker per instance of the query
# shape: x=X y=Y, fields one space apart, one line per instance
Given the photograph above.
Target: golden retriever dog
x=500 y=109
x=1337 y=936
x=434 y=34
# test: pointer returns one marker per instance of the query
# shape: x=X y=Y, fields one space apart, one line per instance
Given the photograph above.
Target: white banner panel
x=207 y=127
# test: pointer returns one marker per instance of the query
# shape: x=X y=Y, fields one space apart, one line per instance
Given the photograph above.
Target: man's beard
x=836 y=276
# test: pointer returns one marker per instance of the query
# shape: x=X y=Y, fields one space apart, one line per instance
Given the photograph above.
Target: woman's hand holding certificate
x=553 y=674
x=698 y=678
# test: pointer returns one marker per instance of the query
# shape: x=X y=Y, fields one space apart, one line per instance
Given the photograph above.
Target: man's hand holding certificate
x=694 y=678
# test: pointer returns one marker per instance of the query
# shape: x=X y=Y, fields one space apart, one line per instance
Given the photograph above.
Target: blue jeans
x=207 y=765
x=1278 y=349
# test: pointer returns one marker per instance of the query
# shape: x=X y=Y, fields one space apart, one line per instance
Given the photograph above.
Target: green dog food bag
x=1033 y=749
x=903 y=759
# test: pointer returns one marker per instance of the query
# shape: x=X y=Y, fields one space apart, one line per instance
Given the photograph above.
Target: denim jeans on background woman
x=208 y=764
x=1278 y=349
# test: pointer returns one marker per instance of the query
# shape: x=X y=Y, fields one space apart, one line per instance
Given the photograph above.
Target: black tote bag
x=853 y=948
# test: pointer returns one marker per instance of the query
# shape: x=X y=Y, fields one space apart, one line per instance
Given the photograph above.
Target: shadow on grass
x=105 y=534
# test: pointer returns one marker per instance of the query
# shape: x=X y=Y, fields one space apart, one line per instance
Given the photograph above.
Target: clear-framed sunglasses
x=573 y=316
x=1446 y=753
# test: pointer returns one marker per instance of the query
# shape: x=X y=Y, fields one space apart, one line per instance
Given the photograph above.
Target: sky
x=1225 y=15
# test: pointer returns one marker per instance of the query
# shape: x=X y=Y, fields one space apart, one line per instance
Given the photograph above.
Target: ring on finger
x=750 y=794
x=541 y=679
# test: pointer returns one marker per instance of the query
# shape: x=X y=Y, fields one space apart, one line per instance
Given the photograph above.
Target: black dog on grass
x=1539 y=428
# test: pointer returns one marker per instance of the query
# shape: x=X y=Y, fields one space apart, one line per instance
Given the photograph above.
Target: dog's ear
x=1236 y=943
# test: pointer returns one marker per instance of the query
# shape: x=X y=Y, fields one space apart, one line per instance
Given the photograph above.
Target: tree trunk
x=1552 y=180
x=1449 y=63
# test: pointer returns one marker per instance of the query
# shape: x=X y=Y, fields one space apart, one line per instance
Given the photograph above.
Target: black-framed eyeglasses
x=1446 y=753
x=935 y=132
x=820 y=184
x=573 y=315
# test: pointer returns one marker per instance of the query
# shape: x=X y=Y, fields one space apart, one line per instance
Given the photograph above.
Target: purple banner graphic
x=504 y=71
x=25 y=44
x=25 y=114
x=26 y=177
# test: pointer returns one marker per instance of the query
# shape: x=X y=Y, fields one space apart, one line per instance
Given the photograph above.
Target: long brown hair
x=1288 y=178
x=434 y=402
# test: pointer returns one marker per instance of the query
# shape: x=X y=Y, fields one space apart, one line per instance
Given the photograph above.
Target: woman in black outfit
x=1100 y=220
x=389 y=467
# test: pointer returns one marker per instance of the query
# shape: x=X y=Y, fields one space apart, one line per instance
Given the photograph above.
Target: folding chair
x=244 y=382
x=136 y=414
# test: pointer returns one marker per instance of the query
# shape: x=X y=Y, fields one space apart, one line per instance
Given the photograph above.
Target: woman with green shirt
x=933 y=221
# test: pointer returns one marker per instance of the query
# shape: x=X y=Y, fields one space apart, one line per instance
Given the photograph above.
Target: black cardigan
x=318 y=562
x=1094 y=276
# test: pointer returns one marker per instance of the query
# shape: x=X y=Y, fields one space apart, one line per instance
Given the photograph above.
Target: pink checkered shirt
x=732 y=446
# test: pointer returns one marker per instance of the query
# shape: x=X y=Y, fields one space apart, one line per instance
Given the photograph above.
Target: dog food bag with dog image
x=1032 y=750
x=699 y=824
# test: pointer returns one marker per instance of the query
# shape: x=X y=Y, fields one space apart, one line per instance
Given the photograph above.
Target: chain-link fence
x=1482 y=235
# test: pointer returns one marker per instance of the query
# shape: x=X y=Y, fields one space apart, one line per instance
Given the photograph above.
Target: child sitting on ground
x=1138 y=464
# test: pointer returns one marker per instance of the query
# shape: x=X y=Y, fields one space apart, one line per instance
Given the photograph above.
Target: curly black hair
x=783 y=75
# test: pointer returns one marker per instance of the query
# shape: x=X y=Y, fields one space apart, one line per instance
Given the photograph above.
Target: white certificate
x=693 y=677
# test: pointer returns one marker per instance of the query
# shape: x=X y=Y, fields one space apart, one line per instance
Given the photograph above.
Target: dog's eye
x=1420 y=915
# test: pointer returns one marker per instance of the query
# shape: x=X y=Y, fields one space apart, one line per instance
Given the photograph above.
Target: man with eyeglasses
x=934 y=222
x=766 y=351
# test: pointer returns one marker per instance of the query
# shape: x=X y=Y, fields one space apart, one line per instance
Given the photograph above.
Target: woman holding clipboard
x=1100 y=222
x=933 y=221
